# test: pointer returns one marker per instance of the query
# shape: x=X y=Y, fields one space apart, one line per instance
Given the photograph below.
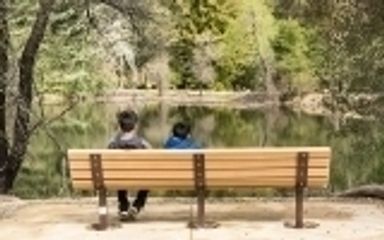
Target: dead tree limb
x=371 y=191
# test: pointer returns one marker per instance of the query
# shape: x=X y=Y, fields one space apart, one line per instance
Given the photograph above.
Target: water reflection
x=357 y=146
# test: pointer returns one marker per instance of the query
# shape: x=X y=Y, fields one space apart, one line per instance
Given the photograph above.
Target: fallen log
x=372 y=191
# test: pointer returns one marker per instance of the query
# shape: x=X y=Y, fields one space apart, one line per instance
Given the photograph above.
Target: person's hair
x=181 y=130
x=127 y=120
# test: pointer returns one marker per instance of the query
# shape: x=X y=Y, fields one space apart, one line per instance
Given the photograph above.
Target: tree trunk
x=4 y=67
x=270 y=76
x=267 y=59
x=24 y=101
x=268 y=126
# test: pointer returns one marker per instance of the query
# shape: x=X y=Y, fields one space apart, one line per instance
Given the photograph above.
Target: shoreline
x=229 y=99
x=312 y=104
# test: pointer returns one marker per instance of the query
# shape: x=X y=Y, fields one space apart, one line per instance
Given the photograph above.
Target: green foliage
x=181 y=63
x=68 y=65
x=193 y=20
x=238 y=65
x=195 y=17
x=256 y=34
x=310 y=44
x=293 y=56
x=348 y=47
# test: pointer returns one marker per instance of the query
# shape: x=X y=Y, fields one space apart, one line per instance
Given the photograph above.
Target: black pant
x=138 y=203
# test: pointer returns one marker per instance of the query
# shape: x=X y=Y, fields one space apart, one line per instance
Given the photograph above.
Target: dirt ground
x=256 y=219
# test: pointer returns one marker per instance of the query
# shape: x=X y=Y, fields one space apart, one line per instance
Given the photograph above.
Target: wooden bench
x=281 y=167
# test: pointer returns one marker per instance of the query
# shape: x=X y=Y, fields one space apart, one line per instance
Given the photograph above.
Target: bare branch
x=44 y=123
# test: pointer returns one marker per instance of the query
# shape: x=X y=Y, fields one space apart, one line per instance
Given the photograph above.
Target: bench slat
x=230 y=154
x=189 y=184
x=153 y=164
x=179 y=157
x=210 y=174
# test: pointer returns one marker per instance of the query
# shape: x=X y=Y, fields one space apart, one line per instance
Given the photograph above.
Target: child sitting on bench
x=181 y=138
x=127 y=138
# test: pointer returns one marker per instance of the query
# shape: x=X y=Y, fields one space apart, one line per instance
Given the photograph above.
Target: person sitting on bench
x=128 y=139
x=181 y=138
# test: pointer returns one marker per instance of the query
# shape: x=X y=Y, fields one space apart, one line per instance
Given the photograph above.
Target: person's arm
x=168 y=143
x=195 y=144
x=112 y=144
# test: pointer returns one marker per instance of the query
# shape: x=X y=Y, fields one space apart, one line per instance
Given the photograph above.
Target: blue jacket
x=178 y=143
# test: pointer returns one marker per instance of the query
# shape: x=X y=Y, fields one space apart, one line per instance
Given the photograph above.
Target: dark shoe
x=129 y=216
x=124 y=216
x=132 y=213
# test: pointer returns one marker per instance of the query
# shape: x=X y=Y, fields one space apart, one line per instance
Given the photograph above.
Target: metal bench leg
x=301 y=183
x=200 y=208
x=199 y=169
x=103 y=209
x=98 y=182
x=299 y=206
x=200 y=188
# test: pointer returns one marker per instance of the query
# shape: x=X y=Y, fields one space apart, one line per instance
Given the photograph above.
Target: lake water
x=357 y=145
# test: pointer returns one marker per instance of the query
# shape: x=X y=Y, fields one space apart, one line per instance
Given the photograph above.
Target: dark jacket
x=128 y=141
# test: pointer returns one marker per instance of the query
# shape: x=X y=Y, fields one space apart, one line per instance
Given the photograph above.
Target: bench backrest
x=177 y=169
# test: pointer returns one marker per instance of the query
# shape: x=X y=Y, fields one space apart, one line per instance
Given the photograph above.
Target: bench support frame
x=98 y=184
x=301 y=184
x=199 y=171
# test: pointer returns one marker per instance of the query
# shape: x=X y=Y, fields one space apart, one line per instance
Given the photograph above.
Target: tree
x=13 y=153
x=265 y=32
x=4 y=63
x=260 y=51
